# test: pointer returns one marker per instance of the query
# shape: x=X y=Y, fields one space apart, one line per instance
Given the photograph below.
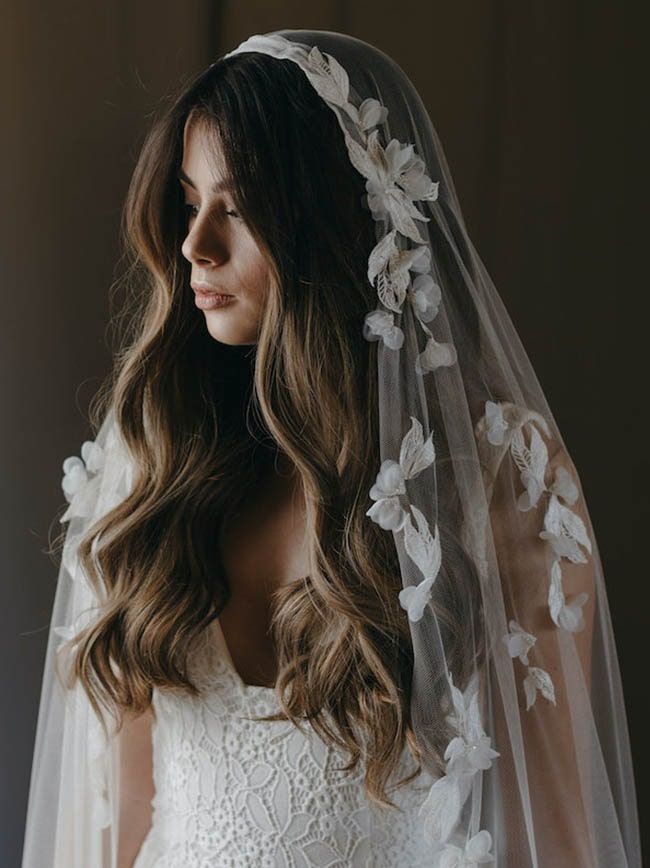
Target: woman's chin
x=227 y=334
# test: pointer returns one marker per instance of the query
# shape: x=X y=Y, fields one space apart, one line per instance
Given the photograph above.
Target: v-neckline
x=262 y=688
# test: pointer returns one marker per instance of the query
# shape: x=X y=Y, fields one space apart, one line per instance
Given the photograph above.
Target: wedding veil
x=517 y=702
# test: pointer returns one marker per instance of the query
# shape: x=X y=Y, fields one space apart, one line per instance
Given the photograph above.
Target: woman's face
x=224 y=256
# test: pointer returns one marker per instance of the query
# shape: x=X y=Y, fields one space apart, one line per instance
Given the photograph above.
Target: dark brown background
x=538 y=106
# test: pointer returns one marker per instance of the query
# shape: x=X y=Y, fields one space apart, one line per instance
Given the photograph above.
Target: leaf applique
x=538 y=680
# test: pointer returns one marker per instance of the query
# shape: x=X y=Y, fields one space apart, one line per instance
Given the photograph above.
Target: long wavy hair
x=203 y=420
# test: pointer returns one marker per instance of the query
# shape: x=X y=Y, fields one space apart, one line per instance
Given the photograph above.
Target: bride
x=329 y=591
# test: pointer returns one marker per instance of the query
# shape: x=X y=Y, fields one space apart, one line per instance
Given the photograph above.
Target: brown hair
x=203 y=419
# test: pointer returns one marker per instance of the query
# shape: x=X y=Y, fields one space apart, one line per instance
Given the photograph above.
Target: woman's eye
x=189 y=209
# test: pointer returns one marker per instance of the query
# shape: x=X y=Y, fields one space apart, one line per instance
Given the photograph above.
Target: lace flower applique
x=396 y=179
x=468 y=754
x=80 y=479
x=415 y=455
x=564 y=532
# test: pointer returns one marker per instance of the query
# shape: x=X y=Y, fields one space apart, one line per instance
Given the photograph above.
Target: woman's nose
x=203 y=244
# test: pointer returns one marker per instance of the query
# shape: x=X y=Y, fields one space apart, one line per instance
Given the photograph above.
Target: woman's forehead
x=202 y=154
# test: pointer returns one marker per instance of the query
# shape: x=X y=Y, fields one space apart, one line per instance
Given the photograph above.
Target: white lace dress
x=235 y=793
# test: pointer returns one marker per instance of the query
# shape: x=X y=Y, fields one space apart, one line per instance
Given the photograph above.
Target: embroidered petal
x=328 y=77
x=532 y=462
x=93 y=455
x=388 y=269
x=519 y=642
x=394 y=203
x=80 y=480
x=371 y=113
x=538 y=679
x=415 y=598
x=467 y=757
x=496 y=425
x=366 y=163
x=568 y=617
x=398 y=156
x=379 y=324
x=421 y=262
x=435 y=355
x=75 y=476
x=389 y=481
x=416 y=453
x=560 y=522
x=381 y=255
x=389 y=485
x=564 y=486
x=423 y=549
x=413 y=179
x=388 y=513
x=477 y=849
x=425 y=295
x=564 y=547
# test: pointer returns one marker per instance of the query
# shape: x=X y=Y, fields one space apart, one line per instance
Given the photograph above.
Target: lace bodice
x=235 y=793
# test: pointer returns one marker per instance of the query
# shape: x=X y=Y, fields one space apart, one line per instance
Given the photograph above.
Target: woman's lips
x=208 y=290
x=209 y=300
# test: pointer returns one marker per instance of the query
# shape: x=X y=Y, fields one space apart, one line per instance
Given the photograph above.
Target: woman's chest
x=262 y=546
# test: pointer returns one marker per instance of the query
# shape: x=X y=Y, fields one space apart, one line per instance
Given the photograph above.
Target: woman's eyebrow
x=217 y=187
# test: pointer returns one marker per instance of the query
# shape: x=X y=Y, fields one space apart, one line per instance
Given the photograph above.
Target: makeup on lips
x=209 y=300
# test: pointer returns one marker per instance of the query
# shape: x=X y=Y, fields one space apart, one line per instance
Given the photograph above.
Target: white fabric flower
x=389 y=267
x=425 y=295
x=93 y=456
x=425 y=551
x=538 y=679
x=568 y=616
x=495 y=424
x=467 y=754
x=475 y=852
x=379 y=324
x=415 y=455
x=467 y=757
x=414 y=179
x=565 y=531
x=371 y=113
x=80 y=480
x=531 y=461
x=387 y=512
x=469 y=751
x=74 y=476
x=394 y=178
x=328 y=77
x=415 y=598
x=421 y=262
x=518 y=641
x=435 y=355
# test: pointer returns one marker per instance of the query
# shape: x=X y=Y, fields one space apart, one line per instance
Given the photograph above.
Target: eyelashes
x=190 y=212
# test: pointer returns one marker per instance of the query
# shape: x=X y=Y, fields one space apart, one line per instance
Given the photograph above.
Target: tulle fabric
x=516 y=690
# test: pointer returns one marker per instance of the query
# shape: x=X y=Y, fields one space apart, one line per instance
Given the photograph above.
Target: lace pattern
x=236 y=792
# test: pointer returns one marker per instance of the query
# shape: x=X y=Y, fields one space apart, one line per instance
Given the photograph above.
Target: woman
x=329 y=580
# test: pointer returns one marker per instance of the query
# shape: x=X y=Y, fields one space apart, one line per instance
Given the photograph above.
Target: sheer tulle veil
x=517 y=702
